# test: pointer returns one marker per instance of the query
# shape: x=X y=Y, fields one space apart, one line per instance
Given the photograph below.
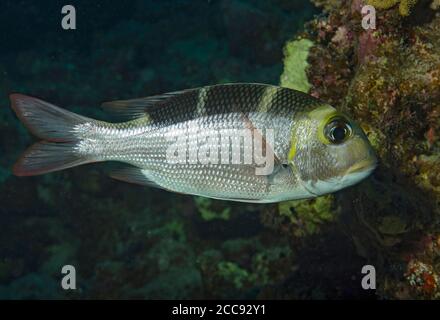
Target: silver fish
x=313 y=148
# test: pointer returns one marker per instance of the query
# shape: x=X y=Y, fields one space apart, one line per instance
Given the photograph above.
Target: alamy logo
x=68 y=282
x=369 y=19
x=369 y=280
x=69 y=20
x=226 y=146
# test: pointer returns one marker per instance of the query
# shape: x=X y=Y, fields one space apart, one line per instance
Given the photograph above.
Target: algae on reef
x=295 y=64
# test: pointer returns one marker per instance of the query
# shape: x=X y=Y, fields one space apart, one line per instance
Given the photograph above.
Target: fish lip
x=368 y=164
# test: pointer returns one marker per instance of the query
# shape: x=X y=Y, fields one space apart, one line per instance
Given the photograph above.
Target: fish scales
x=149 y=150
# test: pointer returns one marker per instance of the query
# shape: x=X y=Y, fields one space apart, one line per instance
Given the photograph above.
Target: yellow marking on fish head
x=322 y=115
x=292 y=150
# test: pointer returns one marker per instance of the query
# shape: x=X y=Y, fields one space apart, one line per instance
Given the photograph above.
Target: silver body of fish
x=313 y=149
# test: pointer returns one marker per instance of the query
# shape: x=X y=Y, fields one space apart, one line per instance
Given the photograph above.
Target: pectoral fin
x=256 y=134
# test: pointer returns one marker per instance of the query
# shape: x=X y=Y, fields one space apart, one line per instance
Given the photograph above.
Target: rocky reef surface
x=387 y=79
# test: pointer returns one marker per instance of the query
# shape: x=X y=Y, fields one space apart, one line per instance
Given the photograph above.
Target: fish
x=245 y=142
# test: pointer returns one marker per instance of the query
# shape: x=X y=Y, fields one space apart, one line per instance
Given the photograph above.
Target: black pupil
x=337 y=130
x=339 y=133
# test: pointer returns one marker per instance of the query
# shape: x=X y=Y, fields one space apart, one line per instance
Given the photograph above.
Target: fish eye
x=337 y=130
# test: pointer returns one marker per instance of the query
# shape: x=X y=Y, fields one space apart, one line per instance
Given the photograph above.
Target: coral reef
x=208 y=213
x=404 y=5
x=388 y=80
x=300 y=218
x=423 y=279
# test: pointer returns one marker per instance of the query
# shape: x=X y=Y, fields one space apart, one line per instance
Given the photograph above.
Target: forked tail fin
x=56 y=127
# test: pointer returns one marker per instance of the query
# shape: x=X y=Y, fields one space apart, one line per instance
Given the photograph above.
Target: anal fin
x=133 y=175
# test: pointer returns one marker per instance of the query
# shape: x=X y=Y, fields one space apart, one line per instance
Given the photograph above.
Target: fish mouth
x=366 y=165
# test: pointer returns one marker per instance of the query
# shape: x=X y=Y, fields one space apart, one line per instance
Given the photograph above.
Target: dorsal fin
x=136 y=108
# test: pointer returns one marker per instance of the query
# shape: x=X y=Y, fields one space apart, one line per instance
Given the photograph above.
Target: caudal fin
x=56 y=127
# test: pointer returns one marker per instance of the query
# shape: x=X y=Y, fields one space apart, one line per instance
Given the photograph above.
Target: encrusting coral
x=295 y=64
x=435 y=4
x=404 y=5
